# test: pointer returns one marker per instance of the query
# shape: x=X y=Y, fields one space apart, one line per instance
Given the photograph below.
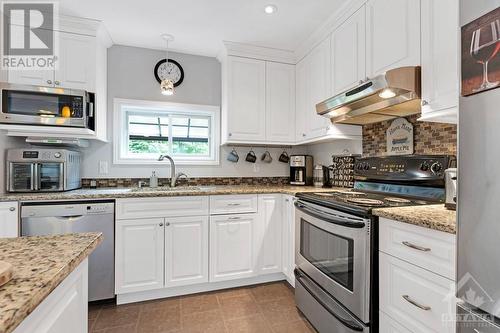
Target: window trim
x=120 y=133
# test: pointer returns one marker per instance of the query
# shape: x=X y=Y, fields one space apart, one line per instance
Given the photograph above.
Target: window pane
x=143 y=130
x=198 y=132
x=203 y=122
x=178 y=120
x=148 y=147
x=191 y=148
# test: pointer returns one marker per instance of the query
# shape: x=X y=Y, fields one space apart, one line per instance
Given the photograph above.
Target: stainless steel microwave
x=43 y=170
x=36 y=105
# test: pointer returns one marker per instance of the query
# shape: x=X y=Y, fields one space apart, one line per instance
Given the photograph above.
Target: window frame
x=121 y=134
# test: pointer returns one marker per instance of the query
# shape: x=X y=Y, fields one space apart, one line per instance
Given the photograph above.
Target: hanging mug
x=284 y=157
x=251 y=157
x=233 y=156
x=266 y=157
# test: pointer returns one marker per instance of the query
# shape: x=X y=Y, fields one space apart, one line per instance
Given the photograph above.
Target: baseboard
x=197 y=288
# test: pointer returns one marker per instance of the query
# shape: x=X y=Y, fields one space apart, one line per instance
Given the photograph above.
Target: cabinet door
x=288 y=233
x=392 y=35
x=186 y=250
x=270 y=234
x=280 y=102
x=233 y=241
x=139 y=255
x=440 y=59
x=32 y=77
x=388 y=325
x=246 y=99
x=9 y=224
x=348 y=53
x=318 y=82
x=76 y=62
x=301 y=100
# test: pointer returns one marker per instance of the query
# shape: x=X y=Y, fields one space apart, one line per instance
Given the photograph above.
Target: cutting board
x=6 y=272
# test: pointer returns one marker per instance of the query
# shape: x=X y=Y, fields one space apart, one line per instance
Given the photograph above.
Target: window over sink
x=144 y=130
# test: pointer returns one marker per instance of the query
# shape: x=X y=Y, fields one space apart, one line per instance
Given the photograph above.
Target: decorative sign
x=480 y=54
x=400 y=137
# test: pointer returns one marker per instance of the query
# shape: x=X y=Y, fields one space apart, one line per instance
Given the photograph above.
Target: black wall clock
x=172 y=70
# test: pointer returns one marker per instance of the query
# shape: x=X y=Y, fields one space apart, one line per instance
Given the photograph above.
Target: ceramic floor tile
x=228 y=293
x=269 y=292
x=252 y=324
x=300 y=326
x=119 y=329
x=238 y=307
x=206 y=321
x=159 y=320
x=199 y=303
x=112 y=316
x=282 y=316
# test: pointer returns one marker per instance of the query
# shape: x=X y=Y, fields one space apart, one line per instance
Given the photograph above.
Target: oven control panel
x=412 y=167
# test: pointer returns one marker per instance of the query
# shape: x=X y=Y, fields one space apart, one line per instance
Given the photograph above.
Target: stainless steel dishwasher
x=52 y=218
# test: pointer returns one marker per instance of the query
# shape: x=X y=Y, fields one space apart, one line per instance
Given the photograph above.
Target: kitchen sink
x=173 y=189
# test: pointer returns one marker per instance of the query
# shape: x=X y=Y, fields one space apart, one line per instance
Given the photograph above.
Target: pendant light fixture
x=167 y=85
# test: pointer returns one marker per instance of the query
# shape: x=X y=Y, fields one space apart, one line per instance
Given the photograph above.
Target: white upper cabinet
x=301 y=99
x=392 y=35
x=280 y=102
x=186 y=250
x=246 y=100
x=348 y=53
x=440 y=50
x=32 y=77
x=76 y=62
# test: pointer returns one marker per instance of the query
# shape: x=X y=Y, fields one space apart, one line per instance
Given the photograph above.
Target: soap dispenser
x=153 y=180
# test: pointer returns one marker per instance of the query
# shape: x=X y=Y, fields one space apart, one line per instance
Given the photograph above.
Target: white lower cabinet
x=139 y=255
x=186 y=251
x=420 y=300
x=9 y=222
x=388 y=325
x=288 y=238
x=233 y=246
x=269 y=246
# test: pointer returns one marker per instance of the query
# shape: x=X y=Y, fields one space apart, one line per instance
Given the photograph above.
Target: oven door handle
x=327 y=302
x=331 y=218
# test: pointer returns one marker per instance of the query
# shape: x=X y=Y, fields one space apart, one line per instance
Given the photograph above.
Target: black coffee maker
x=301 y=170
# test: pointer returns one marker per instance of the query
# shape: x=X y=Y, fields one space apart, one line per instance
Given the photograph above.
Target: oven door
x=333 y=249
x=34 y=105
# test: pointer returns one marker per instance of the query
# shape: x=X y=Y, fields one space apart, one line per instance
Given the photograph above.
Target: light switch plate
x=103 y=167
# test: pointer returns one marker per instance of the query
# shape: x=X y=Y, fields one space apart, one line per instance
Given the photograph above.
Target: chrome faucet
x=173 y=176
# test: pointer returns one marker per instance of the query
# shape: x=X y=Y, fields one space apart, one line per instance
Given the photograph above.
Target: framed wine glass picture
x=481 y=54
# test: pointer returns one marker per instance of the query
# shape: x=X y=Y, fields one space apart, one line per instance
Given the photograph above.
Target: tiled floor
x=260 y=309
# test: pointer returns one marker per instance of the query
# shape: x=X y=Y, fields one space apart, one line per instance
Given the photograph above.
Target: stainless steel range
x=336 y=238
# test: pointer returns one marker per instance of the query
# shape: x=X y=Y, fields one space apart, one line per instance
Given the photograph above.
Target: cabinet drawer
x=419 y=300
x=230 y=204
x=427 y=248
x=389 y=325
x=161 y=207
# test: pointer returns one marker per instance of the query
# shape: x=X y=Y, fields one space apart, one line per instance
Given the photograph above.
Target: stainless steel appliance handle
x=414 y=303
x=32 y=180
x=322 y=297
x=36 y=177
x=416 y=247
x=71 y=218
x=325 y=216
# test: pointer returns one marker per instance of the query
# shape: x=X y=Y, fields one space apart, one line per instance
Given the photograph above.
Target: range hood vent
x=391 y=95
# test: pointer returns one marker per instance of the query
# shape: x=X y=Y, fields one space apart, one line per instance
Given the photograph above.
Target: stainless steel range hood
x=391 y=95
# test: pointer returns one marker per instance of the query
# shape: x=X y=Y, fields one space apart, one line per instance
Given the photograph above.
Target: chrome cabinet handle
x=303 y=134
x=233 y=204
x=57 y=82
x=234 y=218
x=12 y=209
x=230 y=134
x=49 y=81
x=416 y=247
x=161 y=224
x=424 y=103
x=412 y=302
x=167 y=224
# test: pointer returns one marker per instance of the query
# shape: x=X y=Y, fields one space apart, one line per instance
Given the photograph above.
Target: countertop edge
x=23 y=312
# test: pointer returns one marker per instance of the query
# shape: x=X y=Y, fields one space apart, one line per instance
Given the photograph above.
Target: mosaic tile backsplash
x=430 y=138
x=202 y=181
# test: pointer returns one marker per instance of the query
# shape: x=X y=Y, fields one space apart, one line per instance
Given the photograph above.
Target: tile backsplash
x=429 y=138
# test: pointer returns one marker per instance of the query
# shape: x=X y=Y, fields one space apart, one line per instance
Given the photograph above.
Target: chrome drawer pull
x=416 y=247
x=233 y=204
x=412 y=302
x=234 y=218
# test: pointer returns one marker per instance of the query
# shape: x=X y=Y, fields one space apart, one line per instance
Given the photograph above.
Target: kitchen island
x=48 y=292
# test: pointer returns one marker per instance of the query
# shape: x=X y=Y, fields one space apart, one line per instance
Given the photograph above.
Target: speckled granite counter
x=40 y=264
x=112 y=193
x=435 y=217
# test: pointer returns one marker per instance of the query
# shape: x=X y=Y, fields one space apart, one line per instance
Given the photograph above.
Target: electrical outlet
x=103 y=167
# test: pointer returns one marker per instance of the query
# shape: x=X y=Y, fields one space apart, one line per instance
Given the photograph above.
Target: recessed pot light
x=270 y=9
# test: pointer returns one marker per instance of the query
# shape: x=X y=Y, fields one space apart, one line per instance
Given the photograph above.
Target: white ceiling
x=200 y=26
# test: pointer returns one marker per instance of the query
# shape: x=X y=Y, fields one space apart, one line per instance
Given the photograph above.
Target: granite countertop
x=435 y=217
x=40 y=264
x=112 y=193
